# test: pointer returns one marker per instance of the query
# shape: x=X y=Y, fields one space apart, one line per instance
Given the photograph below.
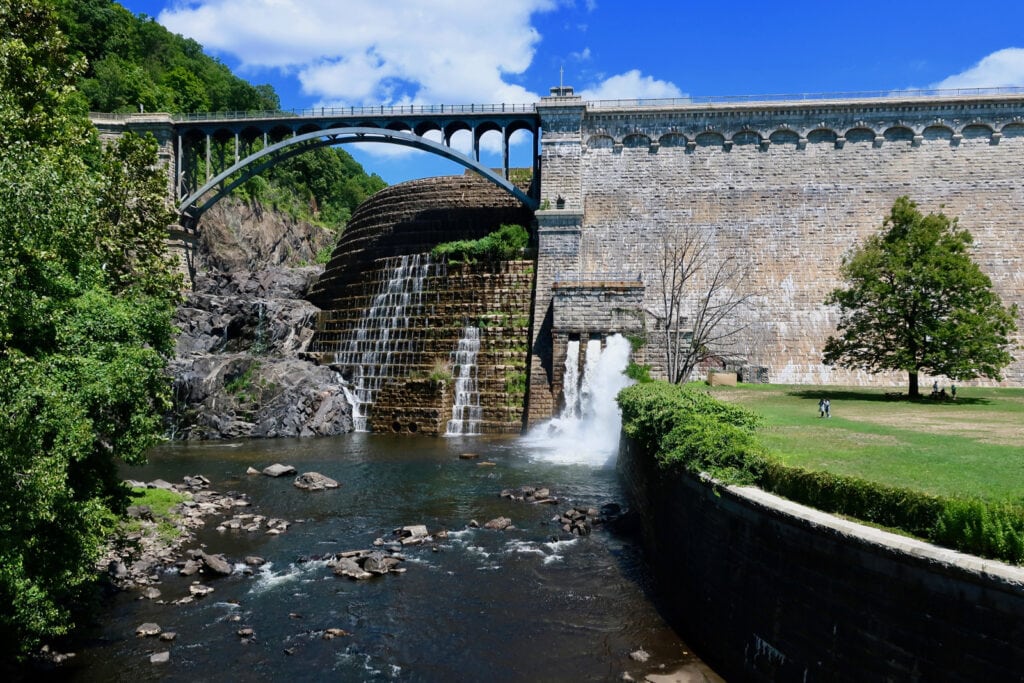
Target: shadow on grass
x=889 y=397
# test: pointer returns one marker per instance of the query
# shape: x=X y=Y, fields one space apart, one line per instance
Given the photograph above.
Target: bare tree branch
x=701 y=296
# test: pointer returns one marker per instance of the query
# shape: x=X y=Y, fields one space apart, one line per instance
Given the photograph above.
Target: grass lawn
x=973 y=446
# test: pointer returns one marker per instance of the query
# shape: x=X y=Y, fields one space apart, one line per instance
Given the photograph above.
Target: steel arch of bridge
x=192 y=206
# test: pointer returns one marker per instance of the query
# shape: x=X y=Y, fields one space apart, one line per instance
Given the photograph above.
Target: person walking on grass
x=827 y=405
x=821 y=407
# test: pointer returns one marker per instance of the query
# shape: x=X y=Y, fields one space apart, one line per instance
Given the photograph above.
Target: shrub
x=688 y=428
x=504 y=244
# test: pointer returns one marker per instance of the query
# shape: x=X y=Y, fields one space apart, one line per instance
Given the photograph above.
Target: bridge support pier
x=182 y=245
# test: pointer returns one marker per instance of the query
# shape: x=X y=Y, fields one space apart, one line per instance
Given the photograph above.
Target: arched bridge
x=210 y=154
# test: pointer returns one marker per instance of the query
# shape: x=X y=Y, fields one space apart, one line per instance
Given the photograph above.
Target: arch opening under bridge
x=192 y=207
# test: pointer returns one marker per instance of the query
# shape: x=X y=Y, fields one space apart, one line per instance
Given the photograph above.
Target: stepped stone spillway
x=412 y=388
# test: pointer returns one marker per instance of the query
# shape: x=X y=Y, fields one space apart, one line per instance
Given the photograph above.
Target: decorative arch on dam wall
x=836 y=137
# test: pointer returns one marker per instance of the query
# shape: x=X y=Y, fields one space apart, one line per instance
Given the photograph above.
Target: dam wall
x=393 y=320
x=786 y=187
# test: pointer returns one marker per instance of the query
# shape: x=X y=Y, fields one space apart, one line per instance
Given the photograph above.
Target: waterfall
x=466 y=411
x=587 y=432
x=381 y=346
x=571 y=381
x=590 y=376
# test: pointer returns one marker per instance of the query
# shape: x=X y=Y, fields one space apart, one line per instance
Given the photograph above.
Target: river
x=528 y=603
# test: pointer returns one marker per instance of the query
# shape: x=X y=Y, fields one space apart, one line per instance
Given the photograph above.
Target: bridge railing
x=380 y=110
x=796 y=97
x=456 y=109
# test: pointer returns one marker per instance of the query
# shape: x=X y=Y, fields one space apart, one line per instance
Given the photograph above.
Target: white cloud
x=362 y=52
x=1002 y=68
x=631 y=85
x=581 y=56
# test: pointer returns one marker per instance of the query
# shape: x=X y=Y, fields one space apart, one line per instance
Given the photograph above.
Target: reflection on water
x=528 y=603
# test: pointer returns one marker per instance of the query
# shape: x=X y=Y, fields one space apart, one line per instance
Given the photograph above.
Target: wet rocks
x=412 y=535
x=278 y=470
x=150 y=593
x=578 y=521
x=208 y=564
x=314 y=481
x=252 y=523
x=365 y=564
x=148 y=629
x=198 y=590
x=540 y=495
x=499 y=524
x=143 y=554
x=215 y=564
x=160 y=657
x=332 y=633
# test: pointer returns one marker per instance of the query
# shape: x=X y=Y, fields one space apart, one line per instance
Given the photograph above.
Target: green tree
x=85 y=333
x=33 y=99
x=916 y=301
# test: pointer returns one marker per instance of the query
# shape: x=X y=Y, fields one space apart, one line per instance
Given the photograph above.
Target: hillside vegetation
x=132 y=63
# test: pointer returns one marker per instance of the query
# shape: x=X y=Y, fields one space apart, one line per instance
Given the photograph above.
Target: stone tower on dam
x=789 y=187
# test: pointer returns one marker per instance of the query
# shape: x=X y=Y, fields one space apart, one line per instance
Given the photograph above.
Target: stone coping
x=1010 y=575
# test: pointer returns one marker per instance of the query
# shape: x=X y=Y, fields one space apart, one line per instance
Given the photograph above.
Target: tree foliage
x=134 y=62
x=324 y=185
x=915 y=301
x=125 y=63
x=85 y=333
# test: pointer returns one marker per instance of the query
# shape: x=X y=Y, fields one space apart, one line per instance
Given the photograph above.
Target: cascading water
x=571 y=381
x=466 y=410
x=587 y=432
x=590 y=370
x=380 y=347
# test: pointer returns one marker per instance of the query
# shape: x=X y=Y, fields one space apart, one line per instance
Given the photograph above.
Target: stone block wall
x=791 y=188
x=495 y=297
x=769 y=590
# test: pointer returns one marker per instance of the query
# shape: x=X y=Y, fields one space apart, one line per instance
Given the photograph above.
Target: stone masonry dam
x=785 y=187
x=788 y=187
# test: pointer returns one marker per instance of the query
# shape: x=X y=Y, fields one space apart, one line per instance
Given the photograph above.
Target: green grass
x=161 y=502
x=973 y=447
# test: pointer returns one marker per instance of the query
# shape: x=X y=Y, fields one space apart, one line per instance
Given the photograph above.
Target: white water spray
x=587 y=432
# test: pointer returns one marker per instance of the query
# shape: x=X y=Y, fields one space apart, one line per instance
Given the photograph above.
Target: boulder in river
x=148 y=629
x=216 y=564
x=499 y=523
x=278 y=470
x=413 y=534
x=314 y=481
x=365 y=564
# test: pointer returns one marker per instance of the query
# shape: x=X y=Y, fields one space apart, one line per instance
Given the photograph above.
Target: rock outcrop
x=239 y=370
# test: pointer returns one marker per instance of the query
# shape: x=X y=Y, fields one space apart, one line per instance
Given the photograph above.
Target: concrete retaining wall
x=769 y=590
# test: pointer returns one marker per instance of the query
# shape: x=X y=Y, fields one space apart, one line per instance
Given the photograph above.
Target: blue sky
x=356 y=52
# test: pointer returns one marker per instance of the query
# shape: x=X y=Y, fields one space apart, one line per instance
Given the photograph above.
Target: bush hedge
x=687 y=429
x=504 y=244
